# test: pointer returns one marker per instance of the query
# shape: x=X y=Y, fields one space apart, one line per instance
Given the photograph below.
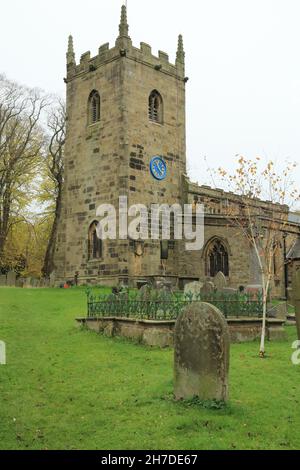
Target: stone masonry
x=110 y=158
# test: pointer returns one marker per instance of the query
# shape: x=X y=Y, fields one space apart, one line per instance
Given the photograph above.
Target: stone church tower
x=124 y=107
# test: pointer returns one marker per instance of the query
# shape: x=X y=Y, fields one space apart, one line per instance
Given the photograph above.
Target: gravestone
x=229 y=291
x=161 y=295
x=123 y=294
x=193 y=289
x=220 y=281
x=202 y=346
x=208 y=288
x=27 y=282
x=278 y=311
x=11 y=278
x=2 y=280
x=52 y=279
x=2 y=353
x=254 y=290
x=140 y=283
x=34 y=282
x=144 y=293
x=20 y=282
x=296 y=298
x=163 y=284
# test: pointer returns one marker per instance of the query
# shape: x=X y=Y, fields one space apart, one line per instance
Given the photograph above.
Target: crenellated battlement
x=123 y=48
x=207 y=193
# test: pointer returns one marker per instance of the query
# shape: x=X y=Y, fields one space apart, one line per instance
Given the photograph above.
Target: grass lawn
x=66 y=388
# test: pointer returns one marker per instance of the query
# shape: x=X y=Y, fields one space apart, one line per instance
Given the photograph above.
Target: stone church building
x=125 y=106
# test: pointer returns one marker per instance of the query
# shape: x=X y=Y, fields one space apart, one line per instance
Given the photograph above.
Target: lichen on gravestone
x=201 y=357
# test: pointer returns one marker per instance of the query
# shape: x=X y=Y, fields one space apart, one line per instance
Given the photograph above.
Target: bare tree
x=262 y=223
x=21 y=143
x=55 y=172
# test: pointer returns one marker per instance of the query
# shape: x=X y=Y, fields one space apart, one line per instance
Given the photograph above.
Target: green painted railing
x=166 y=306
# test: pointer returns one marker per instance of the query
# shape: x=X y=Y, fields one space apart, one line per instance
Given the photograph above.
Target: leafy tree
x=21 y=146
x=52 y=184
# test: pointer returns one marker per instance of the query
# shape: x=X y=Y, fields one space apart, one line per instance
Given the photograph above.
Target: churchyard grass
x=68 y=388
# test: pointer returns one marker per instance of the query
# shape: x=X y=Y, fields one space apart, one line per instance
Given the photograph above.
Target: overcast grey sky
x=242 y=58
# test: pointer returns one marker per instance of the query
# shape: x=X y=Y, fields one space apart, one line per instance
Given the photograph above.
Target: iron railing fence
x=169 y=309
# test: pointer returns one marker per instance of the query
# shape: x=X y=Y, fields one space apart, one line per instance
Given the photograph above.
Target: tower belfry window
x=94 y=107
x=155 y=107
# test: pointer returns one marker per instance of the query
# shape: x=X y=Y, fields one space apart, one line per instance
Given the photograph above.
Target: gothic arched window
x=94 y=107
x=94 y=243
x=155 y=107
x=217 y=259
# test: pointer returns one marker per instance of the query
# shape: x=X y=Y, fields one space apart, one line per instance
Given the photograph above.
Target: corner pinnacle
x=180 y=56
x=70 y=53
x=123 y=27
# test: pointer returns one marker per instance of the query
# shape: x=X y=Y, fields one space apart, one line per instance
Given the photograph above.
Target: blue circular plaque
x=158 y=168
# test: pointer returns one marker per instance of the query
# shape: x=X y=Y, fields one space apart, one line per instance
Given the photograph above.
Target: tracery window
x=217 y=259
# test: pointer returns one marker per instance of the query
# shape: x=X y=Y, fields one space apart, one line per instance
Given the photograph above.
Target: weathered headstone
x=193 y=289
x=278 y=311
x=208 y=288
x=2 y=280
x=220 y=281
x=202 y=346
x=161 y=295
x=254 y=290
x=2 y=353
x=11 y=278
x=20 y=282
x=123 y=294
x=145 y=292
x=229 y=291
x=296 y=297
x=34 y=282
x=164 y=285
x=52 y=279
x=27 y=282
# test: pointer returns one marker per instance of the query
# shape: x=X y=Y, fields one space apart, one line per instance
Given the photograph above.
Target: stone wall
x=193 y=263
x=161 y=334
x=243 y=266
x=111 y=157
x=11 y=280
